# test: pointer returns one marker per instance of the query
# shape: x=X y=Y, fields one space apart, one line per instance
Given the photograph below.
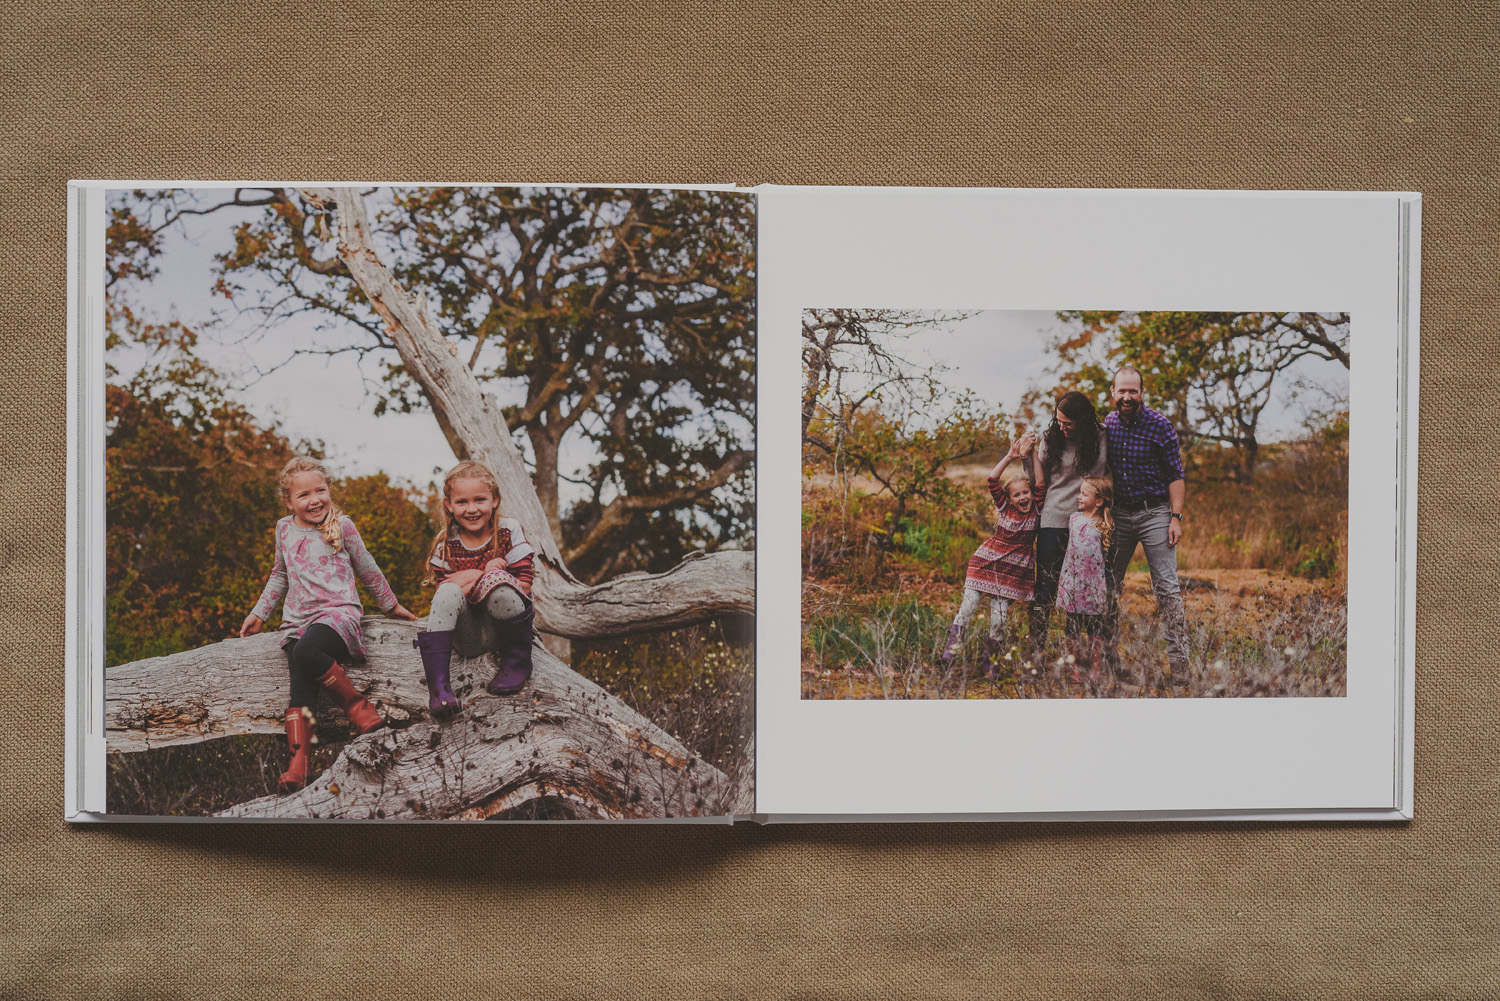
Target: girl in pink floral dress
x=1081 y=589
x=318 y=556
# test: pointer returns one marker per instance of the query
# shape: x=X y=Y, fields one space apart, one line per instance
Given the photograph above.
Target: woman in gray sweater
x=1072 y=448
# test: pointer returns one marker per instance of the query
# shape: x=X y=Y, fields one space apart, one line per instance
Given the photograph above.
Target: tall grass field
x=1263 y=566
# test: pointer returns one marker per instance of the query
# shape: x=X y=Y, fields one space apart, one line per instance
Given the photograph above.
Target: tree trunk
x=563 y=744
x=1249 y=456
x=546 y=449
x=703 y=587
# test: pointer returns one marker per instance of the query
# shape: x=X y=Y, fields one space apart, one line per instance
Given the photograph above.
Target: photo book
x=528 y=502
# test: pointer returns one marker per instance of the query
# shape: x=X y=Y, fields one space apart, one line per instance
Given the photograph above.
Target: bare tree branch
x=476 y=428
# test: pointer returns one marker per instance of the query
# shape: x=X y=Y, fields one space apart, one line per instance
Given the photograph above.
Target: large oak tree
x=623 y=319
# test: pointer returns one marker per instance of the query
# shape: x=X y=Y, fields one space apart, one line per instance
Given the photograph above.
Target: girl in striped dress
x=1003 y=568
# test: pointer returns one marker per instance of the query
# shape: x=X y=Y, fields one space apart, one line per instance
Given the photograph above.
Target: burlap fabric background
x=1204 y=95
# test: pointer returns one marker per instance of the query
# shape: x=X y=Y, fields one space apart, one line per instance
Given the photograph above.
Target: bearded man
x=1145 y=459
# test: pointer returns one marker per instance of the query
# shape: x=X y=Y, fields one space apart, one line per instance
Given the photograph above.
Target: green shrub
x=1318 y=561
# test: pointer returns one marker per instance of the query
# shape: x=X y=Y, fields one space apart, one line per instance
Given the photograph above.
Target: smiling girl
x=1081 y=588
x=1003 y=567
x=318 y=556
x=482 y=567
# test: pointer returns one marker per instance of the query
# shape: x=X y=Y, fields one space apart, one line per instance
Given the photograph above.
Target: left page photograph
x=411 y=502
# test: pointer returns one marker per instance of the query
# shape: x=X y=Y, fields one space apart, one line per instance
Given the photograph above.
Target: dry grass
x=698 y=684
x=199 y=780
x=1264 y=570
x=1251 y=634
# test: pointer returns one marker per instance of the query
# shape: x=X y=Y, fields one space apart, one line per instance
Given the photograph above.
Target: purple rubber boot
x=992 y=648
x=952 y=643
x=437 y=654
x=512 y=655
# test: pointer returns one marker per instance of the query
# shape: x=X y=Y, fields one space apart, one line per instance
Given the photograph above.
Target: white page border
x=999 y=249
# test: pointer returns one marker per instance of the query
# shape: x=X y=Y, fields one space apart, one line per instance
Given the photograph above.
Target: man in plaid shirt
x=1145 y=459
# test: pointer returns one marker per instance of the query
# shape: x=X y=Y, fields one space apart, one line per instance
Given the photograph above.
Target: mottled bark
x=562 y=740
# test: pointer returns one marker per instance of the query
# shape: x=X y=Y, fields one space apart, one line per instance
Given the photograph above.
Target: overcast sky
x=1000 y=354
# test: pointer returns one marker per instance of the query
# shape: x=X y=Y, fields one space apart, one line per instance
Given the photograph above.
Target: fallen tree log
x=563 y=745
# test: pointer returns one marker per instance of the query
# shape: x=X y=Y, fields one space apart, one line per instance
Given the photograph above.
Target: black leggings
x=309 y=658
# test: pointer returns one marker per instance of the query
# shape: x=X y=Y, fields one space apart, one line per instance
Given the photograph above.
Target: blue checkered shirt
x=1143 y=457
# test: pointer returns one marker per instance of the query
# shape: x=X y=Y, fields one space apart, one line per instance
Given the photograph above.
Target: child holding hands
x=1081 y=589
x=1004 y=566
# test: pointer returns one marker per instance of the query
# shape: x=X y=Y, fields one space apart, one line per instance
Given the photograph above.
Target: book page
x=411 y=502
x=1193 y=610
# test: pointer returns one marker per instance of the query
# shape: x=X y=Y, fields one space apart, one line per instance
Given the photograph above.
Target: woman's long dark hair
x=1085 y=440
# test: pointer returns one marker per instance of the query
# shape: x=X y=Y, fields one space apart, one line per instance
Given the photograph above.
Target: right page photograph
x=1022 y=504
x=1104 y=504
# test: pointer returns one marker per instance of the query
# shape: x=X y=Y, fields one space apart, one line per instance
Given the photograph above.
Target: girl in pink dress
x=1081 y=589
x=318 y=556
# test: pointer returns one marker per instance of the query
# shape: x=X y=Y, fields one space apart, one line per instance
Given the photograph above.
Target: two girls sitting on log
x=480 y=562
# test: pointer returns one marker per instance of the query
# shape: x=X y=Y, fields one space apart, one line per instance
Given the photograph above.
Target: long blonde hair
x=1104 y=489
x=466 y=470
x=331 y=527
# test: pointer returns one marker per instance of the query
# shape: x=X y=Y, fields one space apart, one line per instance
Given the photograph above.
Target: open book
x=537 y=502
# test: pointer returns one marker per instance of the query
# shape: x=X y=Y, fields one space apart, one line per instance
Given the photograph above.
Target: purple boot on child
x=512 y=653
x=437 y=655
x=992 y=651
x=952 y=643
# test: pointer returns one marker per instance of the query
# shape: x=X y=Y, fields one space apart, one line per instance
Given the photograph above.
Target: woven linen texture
x=1328 y=96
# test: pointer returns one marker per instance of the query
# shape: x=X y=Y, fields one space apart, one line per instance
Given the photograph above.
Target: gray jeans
x=1148 y=529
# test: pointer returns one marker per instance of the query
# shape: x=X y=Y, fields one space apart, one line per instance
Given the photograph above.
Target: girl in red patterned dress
x=1004 y=566
x=481 y=564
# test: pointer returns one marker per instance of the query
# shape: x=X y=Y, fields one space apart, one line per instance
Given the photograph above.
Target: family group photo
x=429 y=502
x=1074 y=504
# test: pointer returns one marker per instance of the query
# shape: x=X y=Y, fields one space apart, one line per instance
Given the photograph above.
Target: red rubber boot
x=299 y=739
x=362 y=716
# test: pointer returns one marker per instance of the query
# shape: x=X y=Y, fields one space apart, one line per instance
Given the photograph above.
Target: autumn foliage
x=191 y=501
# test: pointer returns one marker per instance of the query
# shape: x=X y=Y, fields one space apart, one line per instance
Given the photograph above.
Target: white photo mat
x=970 y=249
